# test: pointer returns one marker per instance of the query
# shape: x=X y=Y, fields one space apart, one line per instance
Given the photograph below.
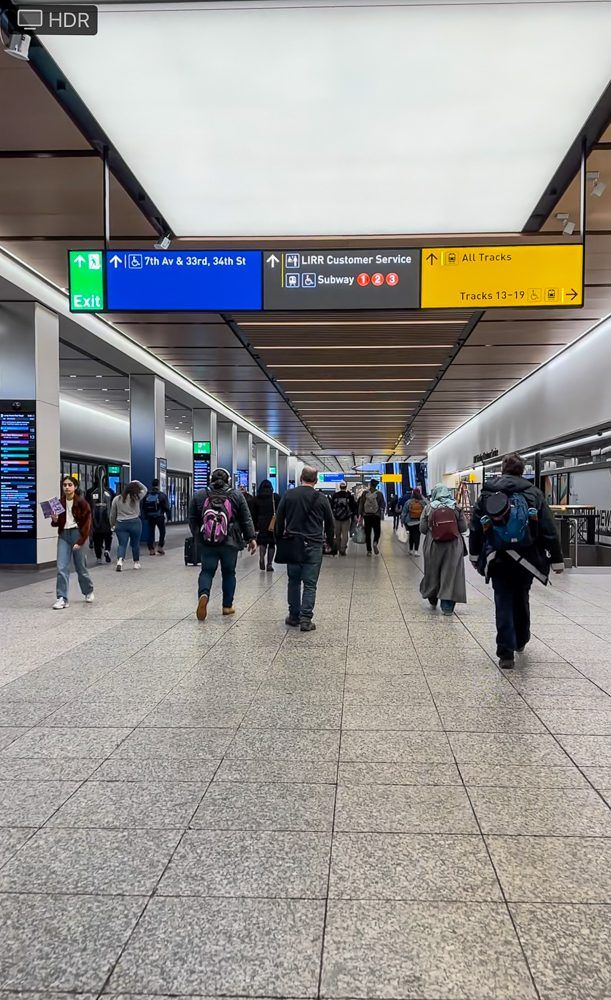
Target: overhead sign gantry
x=459 y=277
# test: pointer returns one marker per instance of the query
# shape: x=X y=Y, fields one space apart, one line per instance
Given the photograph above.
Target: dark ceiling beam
x=587 y=138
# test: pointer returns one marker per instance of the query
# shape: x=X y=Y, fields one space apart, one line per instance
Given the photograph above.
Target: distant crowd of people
x=512 y=539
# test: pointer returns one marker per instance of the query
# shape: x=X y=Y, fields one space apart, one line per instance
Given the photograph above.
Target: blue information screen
x=174 y=280
x=18 y=472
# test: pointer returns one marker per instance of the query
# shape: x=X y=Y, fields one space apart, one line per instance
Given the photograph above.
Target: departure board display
x=18 y=470
x=201 y=464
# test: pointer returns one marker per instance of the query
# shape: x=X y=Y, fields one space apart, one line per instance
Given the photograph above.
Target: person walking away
x=443 y=523
x=265 y=505
x=411 y=514
x=221 y=524
x=126 y=521
x=303 y=514
x=343 y=506
x=156 y=511
x=371 y=511
x=73 y=528
x=394 y=510
x=250 y=500
x=100 y=498
x=513 y=540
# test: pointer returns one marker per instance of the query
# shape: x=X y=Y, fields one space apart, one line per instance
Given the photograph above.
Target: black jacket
x=263 y=508
x=545 y=547
x=241 y=529
x=299 y=514
x=351 y=501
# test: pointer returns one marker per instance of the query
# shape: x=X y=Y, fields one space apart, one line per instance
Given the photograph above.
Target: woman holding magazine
x=73 y=529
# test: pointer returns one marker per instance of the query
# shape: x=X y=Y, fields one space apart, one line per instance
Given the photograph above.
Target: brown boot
x=229 y=611
x=202 y=608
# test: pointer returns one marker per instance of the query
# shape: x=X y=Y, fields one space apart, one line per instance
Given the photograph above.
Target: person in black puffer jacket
x=264 y=507
x=512 y=566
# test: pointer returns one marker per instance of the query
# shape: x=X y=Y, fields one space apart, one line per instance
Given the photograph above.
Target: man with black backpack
x=220 y=521
x=343 y=506
x=512 y=541
x=155 y=510
x=371 y=509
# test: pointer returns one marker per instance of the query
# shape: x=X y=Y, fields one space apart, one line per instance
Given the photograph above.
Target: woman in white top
x=125 y=520
x=73 y=528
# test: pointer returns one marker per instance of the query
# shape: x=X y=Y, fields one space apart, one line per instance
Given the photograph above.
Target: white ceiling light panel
x=361 y=118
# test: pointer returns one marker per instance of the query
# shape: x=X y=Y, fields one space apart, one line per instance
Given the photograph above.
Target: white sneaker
x=90 y=598
x=60 y=604
x=136 y=565
x=119 y=565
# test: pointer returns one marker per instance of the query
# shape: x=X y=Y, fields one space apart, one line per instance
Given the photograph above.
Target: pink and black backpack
x=217 y=515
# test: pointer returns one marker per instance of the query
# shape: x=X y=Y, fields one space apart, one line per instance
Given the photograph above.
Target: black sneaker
x=433 y=602
x=270 y=569
x=293 y=622
x=107 y=555
x=506 y=663
x=521 y=649
x=307 y=626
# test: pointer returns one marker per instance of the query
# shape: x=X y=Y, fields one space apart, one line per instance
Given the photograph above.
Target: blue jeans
x=129 y=531
x=212 y=555
x=66 y=553
x=302 y=605
x=511 y=600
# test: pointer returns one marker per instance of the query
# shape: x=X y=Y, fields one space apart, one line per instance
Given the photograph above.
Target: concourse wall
x=92 y=433
x=568 y=395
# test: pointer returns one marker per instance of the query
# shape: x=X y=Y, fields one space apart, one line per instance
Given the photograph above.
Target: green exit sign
x=86 y=273
x=201 y=447
x=272 y=470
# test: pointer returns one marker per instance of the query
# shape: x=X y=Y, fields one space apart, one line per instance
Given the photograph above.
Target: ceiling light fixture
x=598 y=187
x=403 y=364
x=568 y=227
x=358 y=322
x=19 y=46
x=351 y=347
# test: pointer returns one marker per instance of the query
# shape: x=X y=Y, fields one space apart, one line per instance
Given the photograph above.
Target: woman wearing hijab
x=442 y=524
x=265 y=505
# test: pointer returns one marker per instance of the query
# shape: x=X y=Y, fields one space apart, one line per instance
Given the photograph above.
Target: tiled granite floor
x=373 y=810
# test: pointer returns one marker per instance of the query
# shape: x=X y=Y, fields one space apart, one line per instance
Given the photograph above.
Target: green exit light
x=201 y=447
x=86 y=274
x=272 y=470
x=114 y=470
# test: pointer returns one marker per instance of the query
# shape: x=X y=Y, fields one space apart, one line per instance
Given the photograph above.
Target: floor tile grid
x=105 y=987
x=487 y=848
x=508 y=676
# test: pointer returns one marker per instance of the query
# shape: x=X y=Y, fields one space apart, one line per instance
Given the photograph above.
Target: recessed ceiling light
x=71 y=376
x=98 y=376
x=403 y=364
x=104 y=390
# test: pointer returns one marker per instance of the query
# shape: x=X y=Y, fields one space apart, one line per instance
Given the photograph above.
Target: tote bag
x=402 y=535
x=359 y=535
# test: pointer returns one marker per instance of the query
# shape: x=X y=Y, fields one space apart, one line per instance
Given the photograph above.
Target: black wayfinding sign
x=341 y=279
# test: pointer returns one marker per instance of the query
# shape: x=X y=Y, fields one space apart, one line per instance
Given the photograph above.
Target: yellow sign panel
x=389 y=477
x=503 y=276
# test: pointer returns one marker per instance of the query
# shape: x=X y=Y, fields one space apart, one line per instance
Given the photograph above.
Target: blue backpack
x=508 y=517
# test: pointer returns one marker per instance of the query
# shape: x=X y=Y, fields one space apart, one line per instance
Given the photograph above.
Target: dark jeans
x=301 y=606
x=212 y=555
x=395 y=520
x=102 y=541
x=159 y=523
x=511 y=592
x=373 y=522
x=413 y=531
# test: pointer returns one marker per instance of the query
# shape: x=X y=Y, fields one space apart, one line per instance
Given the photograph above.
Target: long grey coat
x=444 y=562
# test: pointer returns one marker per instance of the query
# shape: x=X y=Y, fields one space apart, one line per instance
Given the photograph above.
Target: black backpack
x=151 y=505
x=341 y=507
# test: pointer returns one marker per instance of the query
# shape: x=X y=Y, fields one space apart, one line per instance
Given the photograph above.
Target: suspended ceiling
x=348 y=385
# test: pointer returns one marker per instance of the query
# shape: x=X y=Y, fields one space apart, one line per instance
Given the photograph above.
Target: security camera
x=19 y=46
x=164 y=243
x=16 y=405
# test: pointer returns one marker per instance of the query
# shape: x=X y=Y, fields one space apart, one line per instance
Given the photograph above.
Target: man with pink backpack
x=221 y=524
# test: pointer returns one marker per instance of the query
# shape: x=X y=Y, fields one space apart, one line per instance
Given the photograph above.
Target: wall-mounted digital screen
x=242 y=478
x=201 y=464
x=18 y=470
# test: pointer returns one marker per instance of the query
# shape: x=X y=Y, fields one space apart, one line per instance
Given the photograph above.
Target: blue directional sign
x=174 y=280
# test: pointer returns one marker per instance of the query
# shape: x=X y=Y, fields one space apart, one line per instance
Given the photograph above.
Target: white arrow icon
x=80 y=260
x=273 y=260
x=116 y=260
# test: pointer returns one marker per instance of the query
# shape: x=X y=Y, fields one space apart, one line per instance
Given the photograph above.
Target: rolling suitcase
x=191 y=552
